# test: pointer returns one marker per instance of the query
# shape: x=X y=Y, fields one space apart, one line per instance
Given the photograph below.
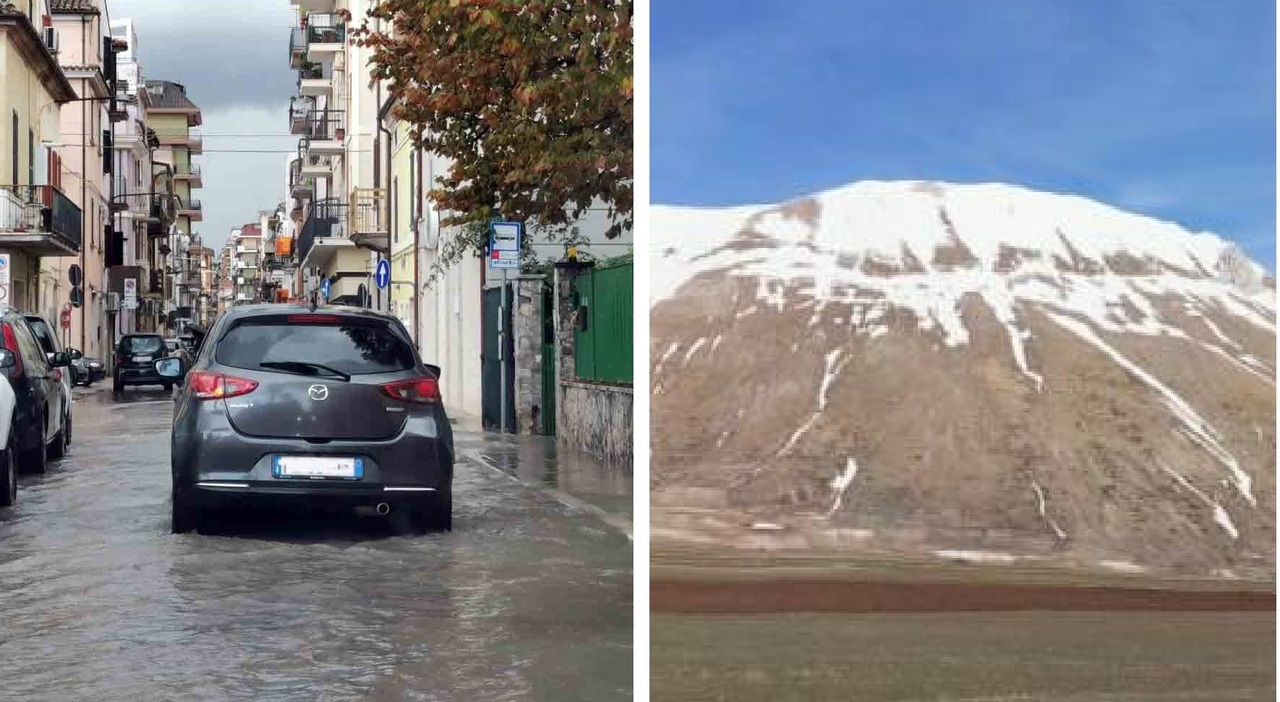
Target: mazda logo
x=318 y=392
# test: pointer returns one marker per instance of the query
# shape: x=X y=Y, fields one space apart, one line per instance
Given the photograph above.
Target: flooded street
x=528 y=598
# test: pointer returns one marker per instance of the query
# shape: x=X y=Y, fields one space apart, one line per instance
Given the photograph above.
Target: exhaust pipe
x=382 y=509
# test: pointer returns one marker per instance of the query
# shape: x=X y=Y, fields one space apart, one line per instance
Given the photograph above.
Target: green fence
x=603 y=351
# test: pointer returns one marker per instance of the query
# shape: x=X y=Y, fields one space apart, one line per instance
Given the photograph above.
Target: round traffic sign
x=75 y=276
x=77 y=297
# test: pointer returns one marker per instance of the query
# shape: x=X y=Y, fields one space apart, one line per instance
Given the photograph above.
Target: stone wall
x=526 y=330
x=591 y=417
x=596 y=419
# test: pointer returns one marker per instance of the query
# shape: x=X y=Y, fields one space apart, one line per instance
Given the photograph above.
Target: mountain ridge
x=1023 y=304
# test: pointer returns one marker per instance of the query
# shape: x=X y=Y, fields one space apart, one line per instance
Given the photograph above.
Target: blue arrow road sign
x=324 y=288
x=383 y=275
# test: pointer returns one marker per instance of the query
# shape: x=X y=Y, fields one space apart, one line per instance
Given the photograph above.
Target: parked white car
x=9 y=459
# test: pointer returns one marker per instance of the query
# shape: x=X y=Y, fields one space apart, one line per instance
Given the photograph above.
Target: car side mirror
x=75 y=354
x=61 y=359
x=7 y=359
x=435 y=370
x=170 y=368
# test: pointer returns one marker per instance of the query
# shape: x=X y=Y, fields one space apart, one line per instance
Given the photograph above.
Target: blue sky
x=1165 y=107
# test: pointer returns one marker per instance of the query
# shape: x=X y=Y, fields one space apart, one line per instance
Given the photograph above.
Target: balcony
x=300 y=111
x=323 y=232
x=325 y=34
x=327 y=132
x=315 y=5
x=300 y=187
x=314 y=163
x=190 y=173
x=297 y=48
x=181 y=139
x=192 y=210
x=368 y=212
x=40 y=220
x=316 y=80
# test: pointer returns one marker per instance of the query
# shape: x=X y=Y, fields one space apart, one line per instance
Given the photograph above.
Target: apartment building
x=86 y=57
x=247 y=263
x=343 y=199
x=138 y=205
x=37 y=217
x=173 y=117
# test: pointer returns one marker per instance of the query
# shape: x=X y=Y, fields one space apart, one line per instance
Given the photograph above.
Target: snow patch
x=1123 y=567
x=841 y=483
x=694 y=349
x=1220 y=515
x=1194 y=426
x=976 y=556
x=1040 y=506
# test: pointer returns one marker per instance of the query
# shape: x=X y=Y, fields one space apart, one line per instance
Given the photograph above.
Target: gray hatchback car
x=331 y=408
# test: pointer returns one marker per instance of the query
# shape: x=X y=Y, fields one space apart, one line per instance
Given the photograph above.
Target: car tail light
x=421 y=390
x=11 y=343
x=216 y=386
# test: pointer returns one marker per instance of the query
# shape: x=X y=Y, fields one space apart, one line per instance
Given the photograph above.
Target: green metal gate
x=603 y=349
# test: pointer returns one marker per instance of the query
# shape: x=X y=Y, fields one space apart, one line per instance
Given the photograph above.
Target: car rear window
x=143 y=344
x=354 y=349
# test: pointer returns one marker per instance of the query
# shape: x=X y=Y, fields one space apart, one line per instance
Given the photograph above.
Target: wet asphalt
x=528 y=598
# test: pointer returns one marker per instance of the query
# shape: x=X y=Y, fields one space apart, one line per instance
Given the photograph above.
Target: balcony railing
x=40 y=209
x=297 y=47
x=369 y=211
x=300 y=110
x=314 y=71
x=327 y=125
x=188 y=172
x=324 y=29
x=327 y=218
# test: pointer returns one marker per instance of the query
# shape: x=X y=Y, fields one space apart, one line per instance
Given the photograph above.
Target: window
x=395 y=209
x=44 y=334
x=141 y=344
x=31 y=157
x=413 y=187
x=14 y=177
x=352 y=348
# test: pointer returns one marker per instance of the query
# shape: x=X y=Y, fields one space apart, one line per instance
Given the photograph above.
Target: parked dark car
x=86 y=371
x=38 y=414
x=135 y=359
x=332 y=409
x=49 y=343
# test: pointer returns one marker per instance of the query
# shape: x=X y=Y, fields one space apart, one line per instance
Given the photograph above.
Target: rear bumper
x=215 y=464
x=134 y=376
x=306 y=494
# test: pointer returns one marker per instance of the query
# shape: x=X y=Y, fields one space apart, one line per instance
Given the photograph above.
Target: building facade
x=38 y=219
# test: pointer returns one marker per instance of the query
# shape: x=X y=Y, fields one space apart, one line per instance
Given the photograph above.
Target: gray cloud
x=237 y=184
x=232 y=56
x=228 y=53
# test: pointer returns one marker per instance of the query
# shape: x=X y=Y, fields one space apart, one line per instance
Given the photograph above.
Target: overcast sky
x=234 y=64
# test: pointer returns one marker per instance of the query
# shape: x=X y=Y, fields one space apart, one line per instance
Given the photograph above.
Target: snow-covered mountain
x=979 y=369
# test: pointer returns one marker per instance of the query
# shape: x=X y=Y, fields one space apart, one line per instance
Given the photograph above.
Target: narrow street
x=529 y=597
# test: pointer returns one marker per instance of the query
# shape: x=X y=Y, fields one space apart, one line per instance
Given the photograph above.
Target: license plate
x=141 y=359
x=317 y=467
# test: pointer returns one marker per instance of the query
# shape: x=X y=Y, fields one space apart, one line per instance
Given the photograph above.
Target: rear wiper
x=304 y=368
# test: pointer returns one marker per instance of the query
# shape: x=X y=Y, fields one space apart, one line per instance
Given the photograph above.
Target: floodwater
x=526 y=599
